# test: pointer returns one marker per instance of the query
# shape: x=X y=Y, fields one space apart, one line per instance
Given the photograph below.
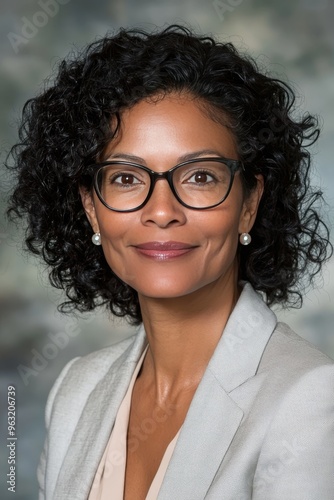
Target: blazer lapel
x=95 y=424
x=211 y=422
x=213 y=417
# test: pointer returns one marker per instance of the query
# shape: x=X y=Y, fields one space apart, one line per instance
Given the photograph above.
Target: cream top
x=108 y=483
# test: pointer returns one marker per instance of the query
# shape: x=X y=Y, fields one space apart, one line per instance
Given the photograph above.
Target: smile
x=157 y=250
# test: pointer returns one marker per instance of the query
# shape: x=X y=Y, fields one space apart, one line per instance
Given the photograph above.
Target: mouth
x=165 y=250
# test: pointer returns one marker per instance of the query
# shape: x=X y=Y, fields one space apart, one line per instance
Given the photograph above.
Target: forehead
x=170 y=126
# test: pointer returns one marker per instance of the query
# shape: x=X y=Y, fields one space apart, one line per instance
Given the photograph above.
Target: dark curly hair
x=67 y=127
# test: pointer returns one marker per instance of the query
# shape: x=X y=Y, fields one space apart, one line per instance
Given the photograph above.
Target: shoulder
x=289 y=352
x=98 y=362
x=81 y=375
x=292 y=376
x=293 y=369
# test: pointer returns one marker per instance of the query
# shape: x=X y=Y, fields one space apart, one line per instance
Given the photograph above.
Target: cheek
x=113 y=226
x=222 y=246
x=112 y=241
x=219 y=236
x=114 y=256
x=222 y=227
x=114 y=229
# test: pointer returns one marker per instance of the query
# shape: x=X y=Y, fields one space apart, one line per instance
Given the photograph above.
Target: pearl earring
x=96 y=239
x=245 y=238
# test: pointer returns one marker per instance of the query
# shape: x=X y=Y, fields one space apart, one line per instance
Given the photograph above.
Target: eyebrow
x=185 y=157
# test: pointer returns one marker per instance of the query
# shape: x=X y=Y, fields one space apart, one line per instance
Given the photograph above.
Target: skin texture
x=185 y=301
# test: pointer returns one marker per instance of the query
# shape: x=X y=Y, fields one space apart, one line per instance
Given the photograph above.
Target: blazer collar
x=246 y=334
x=212 y=419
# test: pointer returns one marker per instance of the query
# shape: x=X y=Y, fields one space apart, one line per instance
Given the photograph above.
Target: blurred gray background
x=293 y=38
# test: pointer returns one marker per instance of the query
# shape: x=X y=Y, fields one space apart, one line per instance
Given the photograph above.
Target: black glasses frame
x=233 y=165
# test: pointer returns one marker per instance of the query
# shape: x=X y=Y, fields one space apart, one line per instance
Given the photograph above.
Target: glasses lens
x=202 y=184
x=122 y=187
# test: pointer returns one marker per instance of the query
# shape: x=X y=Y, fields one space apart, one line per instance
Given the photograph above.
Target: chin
x=162 y=289
x=171 y=290
x=161 y=292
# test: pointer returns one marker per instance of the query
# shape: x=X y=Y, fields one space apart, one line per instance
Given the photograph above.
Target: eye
x=124 y=179
x=200 y=177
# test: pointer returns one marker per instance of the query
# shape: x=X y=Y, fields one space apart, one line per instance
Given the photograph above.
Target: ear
x=250 y=206
x=89 y=207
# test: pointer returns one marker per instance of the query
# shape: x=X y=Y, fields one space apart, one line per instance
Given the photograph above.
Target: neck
x=183 y=333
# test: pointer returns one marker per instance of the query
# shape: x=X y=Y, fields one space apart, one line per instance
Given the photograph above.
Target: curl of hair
x=67 y=127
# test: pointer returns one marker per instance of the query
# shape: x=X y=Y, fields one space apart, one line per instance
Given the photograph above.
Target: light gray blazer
x=260 y=425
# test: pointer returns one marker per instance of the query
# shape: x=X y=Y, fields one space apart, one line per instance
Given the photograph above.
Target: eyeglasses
x=198 y=184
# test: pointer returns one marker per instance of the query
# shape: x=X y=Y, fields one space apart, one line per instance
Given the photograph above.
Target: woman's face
x=158 y=135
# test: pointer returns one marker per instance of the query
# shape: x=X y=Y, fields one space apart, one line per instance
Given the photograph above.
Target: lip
x=164 y=245
x=164 y=250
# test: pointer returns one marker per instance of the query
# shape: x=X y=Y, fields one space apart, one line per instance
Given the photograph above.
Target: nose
x=163 y=209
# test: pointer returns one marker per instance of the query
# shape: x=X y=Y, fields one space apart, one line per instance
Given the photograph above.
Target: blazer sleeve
x=42 y=466
x=297 y=457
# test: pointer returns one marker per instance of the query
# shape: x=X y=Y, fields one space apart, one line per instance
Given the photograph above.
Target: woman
x=165 y=176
